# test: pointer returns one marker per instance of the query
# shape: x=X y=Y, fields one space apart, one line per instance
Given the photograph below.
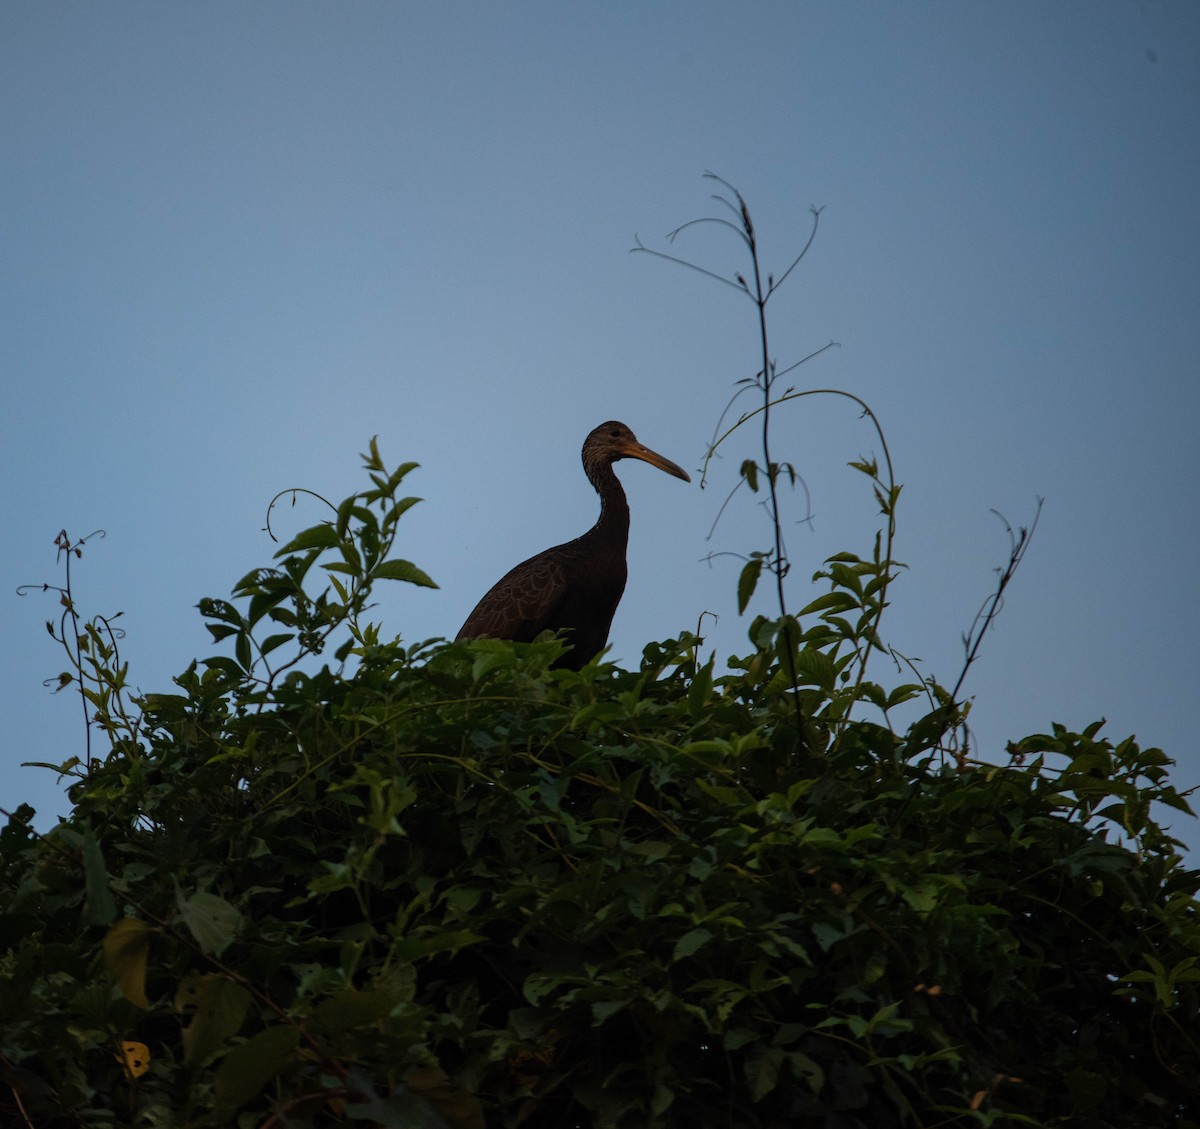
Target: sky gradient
x=239 y=240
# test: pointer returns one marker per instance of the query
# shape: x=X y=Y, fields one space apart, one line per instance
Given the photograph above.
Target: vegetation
x=446 y=886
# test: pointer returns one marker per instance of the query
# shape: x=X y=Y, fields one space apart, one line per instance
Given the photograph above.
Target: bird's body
x=573 y=587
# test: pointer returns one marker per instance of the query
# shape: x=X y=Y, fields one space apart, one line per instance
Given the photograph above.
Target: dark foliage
x=455 y=886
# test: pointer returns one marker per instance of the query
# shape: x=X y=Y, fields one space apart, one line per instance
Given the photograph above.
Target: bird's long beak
x=637 y=451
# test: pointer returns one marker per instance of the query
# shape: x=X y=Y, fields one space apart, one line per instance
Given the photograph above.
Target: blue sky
x=239 y=240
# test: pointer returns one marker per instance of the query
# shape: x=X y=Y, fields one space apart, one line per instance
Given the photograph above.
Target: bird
x=574 y=587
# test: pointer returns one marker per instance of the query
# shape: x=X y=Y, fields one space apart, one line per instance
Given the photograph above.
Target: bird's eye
x=614 y=434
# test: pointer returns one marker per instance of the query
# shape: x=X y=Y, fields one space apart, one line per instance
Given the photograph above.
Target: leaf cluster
x=453 y=886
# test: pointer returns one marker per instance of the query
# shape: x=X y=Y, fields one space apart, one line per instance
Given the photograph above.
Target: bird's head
x=612 y=441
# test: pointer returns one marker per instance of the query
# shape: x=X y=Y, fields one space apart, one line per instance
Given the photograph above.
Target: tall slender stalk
x=844 y=570
x=760 y=294
x=79 y=638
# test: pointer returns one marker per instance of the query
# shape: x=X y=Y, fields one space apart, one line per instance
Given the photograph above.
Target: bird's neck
x=613 y=523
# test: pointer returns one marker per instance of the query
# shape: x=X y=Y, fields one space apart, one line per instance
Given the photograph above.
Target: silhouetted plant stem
x=859 y=587
x=1018 y=543
x=776 y=559
x=63 y=544
x=780 y=562
x=103 y=658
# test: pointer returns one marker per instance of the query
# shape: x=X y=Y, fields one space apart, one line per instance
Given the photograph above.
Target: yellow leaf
x=134 y=1059
x=126 y=946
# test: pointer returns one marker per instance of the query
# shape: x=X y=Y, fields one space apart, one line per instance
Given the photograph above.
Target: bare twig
x=1018 y=544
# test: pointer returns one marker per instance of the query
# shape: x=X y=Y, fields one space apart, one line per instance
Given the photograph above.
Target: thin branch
x=728 y=498
x=805 y=360
x=708 y=559
x=684 y=263
x=671 y=235
x=747 y=385
x=777 y=283
x=985 y=617
x=293 y=490
x=793 y=395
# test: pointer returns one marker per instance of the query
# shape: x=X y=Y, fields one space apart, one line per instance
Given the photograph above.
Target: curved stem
x=888 y=505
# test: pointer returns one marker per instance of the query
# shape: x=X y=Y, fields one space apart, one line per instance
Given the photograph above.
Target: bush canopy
x=451 y=886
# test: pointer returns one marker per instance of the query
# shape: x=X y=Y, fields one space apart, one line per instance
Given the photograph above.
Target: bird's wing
x=522 y=603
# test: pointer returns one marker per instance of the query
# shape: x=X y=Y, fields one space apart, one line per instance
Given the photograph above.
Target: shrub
x=449 y=885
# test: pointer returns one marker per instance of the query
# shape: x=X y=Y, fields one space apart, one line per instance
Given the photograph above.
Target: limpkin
x=574 y=588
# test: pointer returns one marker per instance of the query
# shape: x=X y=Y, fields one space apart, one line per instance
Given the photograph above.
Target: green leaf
x=218 y=1006
x=220 y=609
x=806 y=1068
x=98 y=905
x=322 y=536
x=904 y=693
x=225 y=665
x=252 y=1064
x=748 y=581
x=845 y=576
x=263 y=602
x=271 y=642
x=213 y=922
x=344 y=514
x=399 y=474
x=762 y=1071
x=700 y=690
x=403 y=570
x=351 y=1008
x=126 y=947
x=691 y=942
x=816 y=667
x=440 y=941
x=398 y=511
x=838 y=601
